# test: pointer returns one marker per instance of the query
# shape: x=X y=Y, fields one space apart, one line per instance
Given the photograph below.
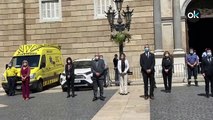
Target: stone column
x=157 y=27
x=178 y=54
x=177 y=26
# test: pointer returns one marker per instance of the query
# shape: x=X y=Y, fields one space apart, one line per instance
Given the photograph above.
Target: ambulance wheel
x=39 y=86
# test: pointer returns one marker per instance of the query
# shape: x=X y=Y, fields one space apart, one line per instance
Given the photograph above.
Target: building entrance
x=200 y=35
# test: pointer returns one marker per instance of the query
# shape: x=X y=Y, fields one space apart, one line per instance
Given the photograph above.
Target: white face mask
x=96 y=57
x=146 y=49
x=191 y=52
x=69 y=61
x=209 y=53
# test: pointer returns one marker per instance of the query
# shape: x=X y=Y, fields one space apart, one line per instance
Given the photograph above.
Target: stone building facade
x=78 y=32
x=81 y=32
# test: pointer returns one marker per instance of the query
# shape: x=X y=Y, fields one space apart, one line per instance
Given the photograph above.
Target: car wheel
x=39 y=86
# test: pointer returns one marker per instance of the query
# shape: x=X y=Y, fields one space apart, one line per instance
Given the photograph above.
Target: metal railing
x=179 y=70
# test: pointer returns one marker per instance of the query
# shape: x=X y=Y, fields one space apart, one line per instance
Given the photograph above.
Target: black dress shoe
x=152 y=97
x=73 y=95
x=94 y=99
x=102 y=98
x=146 y=97
x=68 y=96
x=207 y=95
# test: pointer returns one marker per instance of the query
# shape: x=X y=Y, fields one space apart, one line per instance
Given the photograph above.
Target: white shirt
x=126 y=66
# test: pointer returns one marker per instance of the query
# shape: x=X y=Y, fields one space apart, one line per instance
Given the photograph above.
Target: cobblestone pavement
x=51 y=104
x=184 y=103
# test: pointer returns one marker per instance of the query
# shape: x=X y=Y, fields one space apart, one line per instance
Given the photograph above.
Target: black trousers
x=70 y=85
x=167 y=79
x=116 y=77
x=11 y=85
x=105 y=76
x=98 y=83
x=208 y=79
x=148 y=78
x=192 y=71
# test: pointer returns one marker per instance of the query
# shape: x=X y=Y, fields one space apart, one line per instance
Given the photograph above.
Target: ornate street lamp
x=120 y=26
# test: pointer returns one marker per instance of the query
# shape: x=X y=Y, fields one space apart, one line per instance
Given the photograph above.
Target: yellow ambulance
x=45 y=61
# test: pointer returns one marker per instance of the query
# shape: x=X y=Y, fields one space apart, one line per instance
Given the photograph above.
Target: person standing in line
x=70 y=77
x=123 y=67
x=115 y=62
x=11 y=74
x=98 y=68
x=105 y=70
x=204 y=54
x=147 y=63
x=25 y=76
x=207 y=72
x=167 y=66
x=192 y=61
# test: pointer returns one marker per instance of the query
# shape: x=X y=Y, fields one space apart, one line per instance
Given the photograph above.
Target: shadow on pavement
x=202 y=94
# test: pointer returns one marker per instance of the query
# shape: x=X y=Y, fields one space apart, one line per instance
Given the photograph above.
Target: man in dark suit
x=147 y=62
x=98 y=68
x=207 y=71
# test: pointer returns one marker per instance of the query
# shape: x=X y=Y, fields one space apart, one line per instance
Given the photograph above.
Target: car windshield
x=32 y=60
x=82 y=64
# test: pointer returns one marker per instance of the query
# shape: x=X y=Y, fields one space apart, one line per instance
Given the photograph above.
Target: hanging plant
x=121 y=37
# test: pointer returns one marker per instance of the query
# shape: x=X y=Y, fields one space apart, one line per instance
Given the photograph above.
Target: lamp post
x=119 y=26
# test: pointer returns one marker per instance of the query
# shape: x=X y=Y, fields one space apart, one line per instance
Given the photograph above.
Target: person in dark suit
x=207 y=72
x=70 y=77
x=167 y=66
x=98 y=68
x=147 y=63
x=115 y=62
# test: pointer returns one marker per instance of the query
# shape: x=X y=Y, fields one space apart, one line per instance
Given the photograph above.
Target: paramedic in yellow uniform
x=11 y=73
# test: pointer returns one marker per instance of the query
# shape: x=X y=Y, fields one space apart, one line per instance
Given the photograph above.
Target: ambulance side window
x=43 y=62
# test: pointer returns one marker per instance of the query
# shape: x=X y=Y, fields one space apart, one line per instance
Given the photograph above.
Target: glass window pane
x=98 y=6
x=43 y=10
x=53 y=10
x=57 y=10
x=48 y=10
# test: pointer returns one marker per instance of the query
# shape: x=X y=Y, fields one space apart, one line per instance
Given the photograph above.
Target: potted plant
x=121 y=37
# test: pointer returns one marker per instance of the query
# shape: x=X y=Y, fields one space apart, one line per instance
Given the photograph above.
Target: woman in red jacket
x=25 y=76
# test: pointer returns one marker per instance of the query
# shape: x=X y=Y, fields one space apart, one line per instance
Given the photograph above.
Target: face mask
x=209 y=54
x=69 y=61
x=146 y=49
x=166 y=55
x=191 y=52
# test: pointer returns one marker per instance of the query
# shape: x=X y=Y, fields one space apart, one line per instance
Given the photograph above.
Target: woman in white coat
x=123 y=67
